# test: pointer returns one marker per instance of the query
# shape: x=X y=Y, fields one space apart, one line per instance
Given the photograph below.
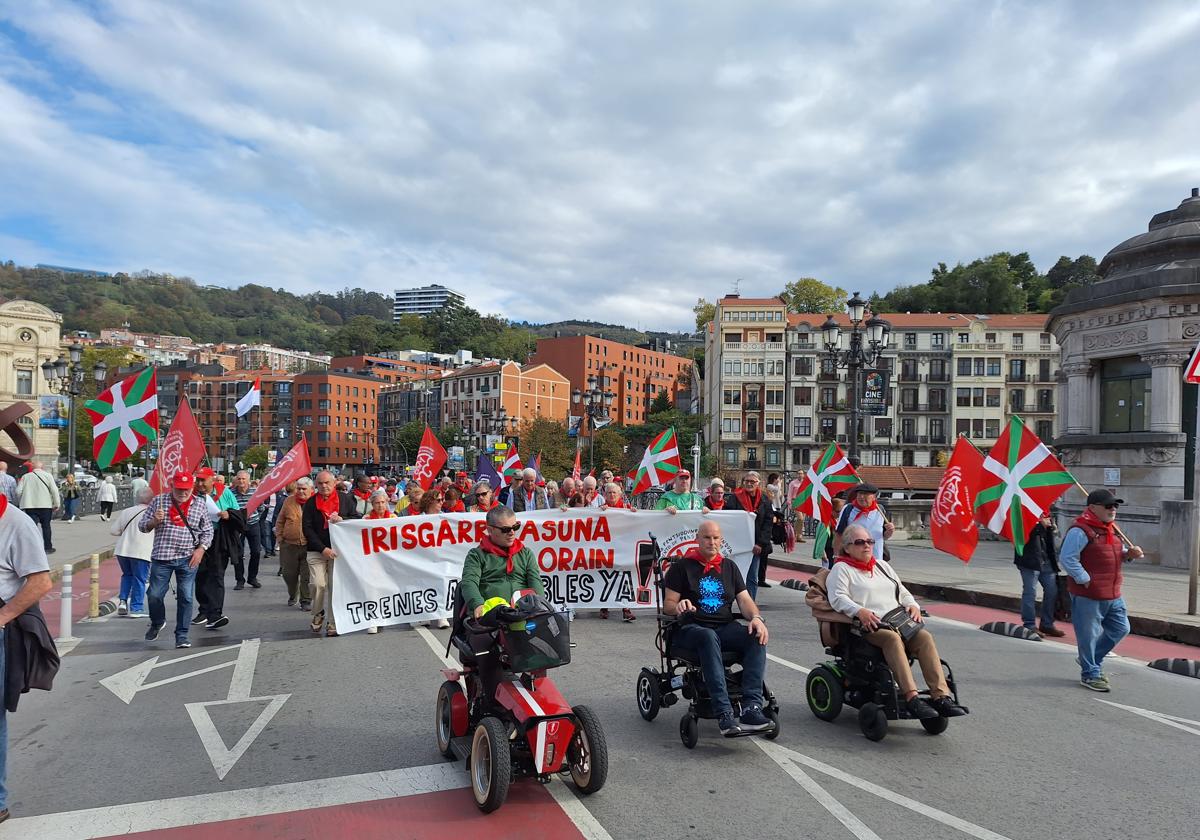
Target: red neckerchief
x=491 y=548
x=485 y=509
x=328 y=506
x=363 y=494
x=713 y=504
x=867 y=566
x=619 y=503
x=748 y=502
x=178 y=508
x=218 y=489
x=587 y=500
x=465 y=489
x=457 y=507
x=1094 y=522
x=387 y=514
x=863 y=511
x=708 y=565
x=3 y=504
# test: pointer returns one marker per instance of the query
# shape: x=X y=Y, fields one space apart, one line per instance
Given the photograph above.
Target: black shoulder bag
x=899 y=619
x=188 y=525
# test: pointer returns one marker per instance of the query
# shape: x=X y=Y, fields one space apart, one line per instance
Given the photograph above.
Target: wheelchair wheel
x=588 y=753
x=825 y=693
x=936 y=726
x=689 y=730
x=649 y=696
x=872 y=720
x=450 y=716
x=772 y=716
x=490 y=764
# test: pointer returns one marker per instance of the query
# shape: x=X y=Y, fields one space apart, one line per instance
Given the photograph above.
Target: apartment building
x=404 y=403
x=339 y=414
x=423 y=300
x=268 y=357
x=635 y=375
x=386 y=368
x=774 y=401
x=213 y=397
x=473 y=397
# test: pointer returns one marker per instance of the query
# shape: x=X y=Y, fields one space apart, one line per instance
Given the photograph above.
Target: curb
x=79 y=564
x=1141 y=625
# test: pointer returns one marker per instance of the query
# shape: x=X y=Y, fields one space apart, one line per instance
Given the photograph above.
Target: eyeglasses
x=863 y=542
x=1111 y=507
x=506 y=529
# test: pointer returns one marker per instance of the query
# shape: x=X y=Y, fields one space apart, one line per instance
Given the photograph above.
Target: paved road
x=346 y=745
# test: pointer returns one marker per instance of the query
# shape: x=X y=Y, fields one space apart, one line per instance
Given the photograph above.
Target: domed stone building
x=1129 y=419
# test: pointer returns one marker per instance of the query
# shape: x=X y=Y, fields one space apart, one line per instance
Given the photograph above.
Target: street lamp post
x=595 y=403
x=67 y=377
x=696 y=460
x=867 y=344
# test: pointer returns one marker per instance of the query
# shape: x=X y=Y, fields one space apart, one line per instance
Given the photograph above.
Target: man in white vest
x=864 y=510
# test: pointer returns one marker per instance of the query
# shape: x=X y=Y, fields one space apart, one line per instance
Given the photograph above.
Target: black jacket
x=30 y=657
x=764 y=516
x=316 y=531
x=226 y=545
x=1039 y=547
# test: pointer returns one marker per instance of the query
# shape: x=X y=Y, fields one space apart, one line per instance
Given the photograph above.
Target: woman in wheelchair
x=700 y=588
x=868 y=590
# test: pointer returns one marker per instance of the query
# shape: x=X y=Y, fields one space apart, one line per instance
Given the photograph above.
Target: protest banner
x=406 y=569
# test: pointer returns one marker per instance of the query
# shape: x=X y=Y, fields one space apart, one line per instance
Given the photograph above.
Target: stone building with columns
x=1129 y=420
x=29 y=335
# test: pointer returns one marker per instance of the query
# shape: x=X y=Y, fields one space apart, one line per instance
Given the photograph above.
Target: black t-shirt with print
x=713 y=594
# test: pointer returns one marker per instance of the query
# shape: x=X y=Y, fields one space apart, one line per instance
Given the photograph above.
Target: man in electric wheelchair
x=868 y=590
x=700 y=589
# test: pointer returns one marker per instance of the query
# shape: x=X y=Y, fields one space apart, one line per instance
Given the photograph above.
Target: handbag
x=1062 y=599
x=898 y=619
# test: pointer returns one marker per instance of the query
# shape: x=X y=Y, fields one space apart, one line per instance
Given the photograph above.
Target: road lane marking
x=783 y=755
x=827 y=801
x=126 y=684
x=1158 y=717
x=438 y=649
x=786 y=664
x=204 y=808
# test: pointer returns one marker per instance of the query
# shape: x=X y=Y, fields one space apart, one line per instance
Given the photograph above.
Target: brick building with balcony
x=213 y=397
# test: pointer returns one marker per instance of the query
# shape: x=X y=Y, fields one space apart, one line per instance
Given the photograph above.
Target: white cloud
x=578 y=161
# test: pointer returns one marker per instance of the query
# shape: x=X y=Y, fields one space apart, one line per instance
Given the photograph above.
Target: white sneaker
x=139 y=615
x=442 y=624
x=372 y=630
x=122 y=607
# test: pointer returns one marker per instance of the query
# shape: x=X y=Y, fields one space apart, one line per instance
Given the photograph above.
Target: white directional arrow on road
x=128 y=683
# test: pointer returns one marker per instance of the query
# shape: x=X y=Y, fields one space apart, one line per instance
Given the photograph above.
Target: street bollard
x=94 y=602
x=64 y=612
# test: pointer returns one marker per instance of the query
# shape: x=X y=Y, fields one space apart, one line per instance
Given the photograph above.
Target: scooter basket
x=542 y=641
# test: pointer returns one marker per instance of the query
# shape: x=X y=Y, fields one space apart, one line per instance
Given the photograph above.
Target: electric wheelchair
x=859 y=675
x=679 y=670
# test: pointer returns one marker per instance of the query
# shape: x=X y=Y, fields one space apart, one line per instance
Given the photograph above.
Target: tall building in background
x=424 y=300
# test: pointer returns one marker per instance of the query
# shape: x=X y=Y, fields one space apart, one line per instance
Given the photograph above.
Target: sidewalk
x=75 y=542
x=1156 y=597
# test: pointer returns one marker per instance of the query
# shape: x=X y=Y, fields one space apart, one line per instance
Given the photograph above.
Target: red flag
x=181 y=450
x=952 y=518
x=430 y=458
x=575 y=471
x=291 y=466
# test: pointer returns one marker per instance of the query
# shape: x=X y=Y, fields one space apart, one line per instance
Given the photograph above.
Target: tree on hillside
x=1002 y=283
x=661 y=402
x=1065 y=275
x=548 y=437
x=704 y=312
x=810 y=295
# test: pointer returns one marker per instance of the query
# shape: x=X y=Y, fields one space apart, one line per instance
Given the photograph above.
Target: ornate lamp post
x=595 y=403
x=867 y=344
x=68 y=377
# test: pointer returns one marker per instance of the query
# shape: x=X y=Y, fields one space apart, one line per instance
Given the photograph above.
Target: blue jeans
x=1029 y=582
x=266 y=531
x=752 y=576
x=69 y=507
x=3 y=731
x=185 y=583
x=709 y=642
x=1099 y=626
x=134 y=574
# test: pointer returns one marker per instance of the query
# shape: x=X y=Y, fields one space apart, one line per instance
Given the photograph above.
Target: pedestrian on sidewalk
x=182 y=534
x=293 y=545
x=39 y=497
x=107 y=496
x=133 y=550
x=327 y=507
x=69 y=492
x=1039 y=564
x=1092 y=555
x=24 y=579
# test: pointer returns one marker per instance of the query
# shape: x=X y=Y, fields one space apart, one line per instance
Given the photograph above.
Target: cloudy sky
x=612 y=160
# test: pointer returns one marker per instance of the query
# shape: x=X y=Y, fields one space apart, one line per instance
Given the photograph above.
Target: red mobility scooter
x=511 y=721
